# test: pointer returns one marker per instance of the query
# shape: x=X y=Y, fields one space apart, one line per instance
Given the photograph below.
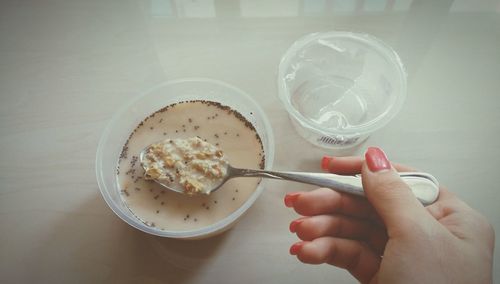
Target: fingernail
x=325 y=162
x=290 y=198
x=296 y=247
x=295 y=223
x=377 y=160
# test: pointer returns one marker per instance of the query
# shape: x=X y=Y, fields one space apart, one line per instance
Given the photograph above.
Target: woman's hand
x=389 y=237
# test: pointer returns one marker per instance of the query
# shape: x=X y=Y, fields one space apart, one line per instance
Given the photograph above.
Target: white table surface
x=66 y=66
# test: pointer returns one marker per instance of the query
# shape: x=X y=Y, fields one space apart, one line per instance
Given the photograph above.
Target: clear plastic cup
x=339 y=87
x=127 y=118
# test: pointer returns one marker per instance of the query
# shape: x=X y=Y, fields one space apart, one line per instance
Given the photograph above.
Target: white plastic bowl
x=129 y=116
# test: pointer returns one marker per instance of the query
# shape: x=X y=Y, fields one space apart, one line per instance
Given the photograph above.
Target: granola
x=192 y=164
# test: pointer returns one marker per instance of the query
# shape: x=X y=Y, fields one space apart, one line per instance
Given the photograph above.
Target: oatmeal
x=191 y=165
x=213 y=123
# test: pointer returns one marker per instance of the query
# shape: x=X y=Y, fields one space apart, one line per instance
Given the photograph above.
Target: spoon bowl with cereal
x=193 y=166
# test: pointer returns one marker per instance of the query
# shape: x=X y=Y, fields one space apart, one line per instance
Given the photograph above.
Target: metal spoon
x=423 y=185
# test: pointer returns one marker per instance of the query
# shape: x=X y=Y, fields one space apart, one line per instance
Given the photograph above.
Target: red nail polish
x=296 y=247
x=325 y=162
x=295 y=223
x=290 y=198
x=377 y=160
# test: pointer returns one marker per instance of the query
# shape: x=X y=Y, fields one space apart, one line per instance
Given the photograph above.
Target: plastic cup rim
x=381 y=120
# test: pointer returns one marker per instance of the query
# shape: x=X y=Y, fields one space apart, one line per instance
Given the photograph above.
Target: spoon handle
x=423 y=185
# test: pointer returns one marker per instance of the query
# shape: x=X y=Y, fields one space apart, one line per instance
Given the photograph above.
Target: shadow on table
x=97 y=247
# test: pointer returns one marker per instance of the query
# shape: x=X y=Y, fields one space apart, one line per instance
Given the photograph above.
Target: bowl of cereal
x=210 y=110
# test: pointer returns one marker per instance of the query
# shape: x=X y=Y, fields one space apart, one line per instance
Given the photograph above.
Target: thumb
x=391 y=197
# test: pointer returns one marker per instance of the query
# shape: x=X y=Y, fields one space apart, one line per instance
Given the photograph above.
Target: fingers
x=352 y=165
x=446 y=204
x=351 y=255
x=460 y=219
x=342 y=165
x=310 y=228
x=391 y=197
x=326 y=201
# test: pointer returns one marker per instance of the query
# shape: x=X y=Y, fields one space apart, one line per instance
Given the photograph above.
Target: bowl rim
x=385 y=50
x=203 y=231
